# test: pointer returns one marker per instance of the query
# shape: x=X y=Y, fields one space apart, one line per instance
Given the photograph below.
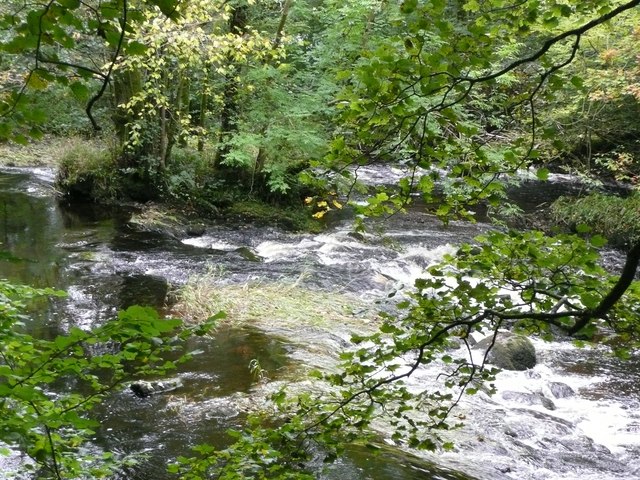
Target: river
x=105 y=263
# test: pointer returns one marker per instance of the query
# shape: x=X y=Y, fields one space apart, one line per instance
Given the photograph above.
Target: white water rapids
x=590 y=432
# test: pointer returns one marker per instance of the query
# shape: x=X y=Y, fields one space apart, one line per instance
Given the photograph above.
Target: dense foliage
x=615 y=217
x=276 y=99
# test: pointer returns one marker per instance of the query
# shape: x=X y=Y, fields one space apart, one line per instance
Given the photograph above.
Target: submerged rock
x=195 y=229
x=560 y=390
x=529 y=399
x=144 y=388
x=510 y=351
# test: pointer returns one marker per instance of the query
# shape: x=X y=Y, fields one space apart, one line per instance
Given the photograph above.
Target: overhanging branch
x=626 y=277
x=107 y=76
x=546 y=46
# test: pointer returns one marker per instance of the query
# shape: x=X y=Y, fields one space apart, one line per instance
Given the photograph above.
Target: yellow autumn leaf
x=308 y=200
x=323 y=204
x=319 y=214
x=337 y=204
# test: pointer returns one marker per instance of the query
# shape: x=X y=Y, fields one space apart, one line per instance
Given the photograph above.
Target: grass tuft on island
x=296 y=219
x=269 y=304
x=47 y=152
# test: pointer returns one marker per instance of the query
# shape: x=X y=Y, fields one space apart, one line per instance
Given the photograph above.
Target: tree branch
x=626 y=277
x=576 y=32
x=107 y=76
x=92 y=71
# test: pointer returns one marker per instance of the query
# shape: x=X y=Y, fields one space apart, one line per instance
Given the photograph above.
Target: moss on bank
x=287 y=217
x=614 y=217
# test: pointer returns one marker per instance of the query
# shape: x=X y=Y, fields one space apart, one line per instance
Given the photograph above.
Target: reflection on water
x=165 y=426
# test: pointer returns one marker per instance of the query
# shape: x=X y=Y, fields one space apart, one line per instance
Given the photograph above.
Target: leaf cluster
x=48 y=387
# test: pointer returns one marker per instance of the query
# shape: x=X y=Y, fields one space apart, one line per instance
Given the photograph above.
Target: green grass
x=295 y=218
x=616 y=218
x=88 y=169
x=284 y=304
x=41 y=153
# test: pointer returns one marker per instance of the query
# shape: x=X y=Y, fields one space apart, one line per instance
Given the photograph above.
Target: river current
x=105 y=263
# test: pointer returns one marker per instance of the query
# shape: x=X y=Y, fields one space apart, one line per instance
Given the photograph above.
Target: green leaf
x=408 y=6
x=168 y=7
x=37 y=81
x=136 y=48
x=112 y=37
x=71 y=4
x=577 y=81
x=79 y=90
x=598 y=241
x=542 y=174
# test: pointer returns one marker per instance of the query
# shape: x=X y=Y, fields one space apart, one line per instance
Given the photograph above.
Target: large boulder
x=510 y=351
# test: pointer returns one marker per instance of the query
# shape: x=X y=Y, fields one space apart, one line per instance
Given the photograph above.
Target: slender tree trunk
x=283 y=21
x=202 y=116
x=230 y=107
x=183 y=95
x=164 y=140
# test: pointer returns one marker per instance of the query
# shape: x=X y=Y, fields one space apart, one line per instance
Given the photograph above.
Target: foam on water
x=594 y=434
x=210 y=242
x=572 y=437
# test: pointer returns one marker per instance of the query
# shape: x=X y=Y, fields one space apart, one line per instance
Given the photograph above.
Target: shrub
x=88 y=171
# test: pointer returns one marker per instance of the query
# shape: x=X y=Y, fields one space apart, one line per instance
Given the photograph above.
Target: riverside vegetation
x=210 y=104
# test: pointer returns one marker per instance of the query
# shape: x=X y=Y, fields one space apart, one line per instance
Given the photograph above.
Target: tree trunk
x=230 y=107
x=283 y=21
x=125 y=85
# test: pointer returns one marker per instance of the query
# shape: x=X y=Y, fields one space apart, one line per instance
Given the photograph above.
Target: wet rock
x=143 y=388
x=510 y=351
x=533 y=375
x=248 y=254
x=145 y=290
x=195 y=229
x=560 y=390
x=357 y=235
x=529 y=399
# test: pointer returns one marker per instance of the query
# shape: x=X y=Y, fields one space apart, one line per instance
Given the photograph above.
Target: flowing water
x=106 y=263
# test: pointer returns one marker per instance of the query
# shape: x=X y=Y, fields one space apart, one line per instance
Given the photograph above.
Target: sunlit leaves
x=193 y=55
